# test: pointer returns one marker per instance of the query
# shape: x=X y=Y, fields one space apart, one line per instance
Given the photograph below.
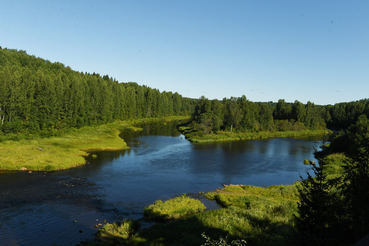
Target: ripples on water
x=39 y=208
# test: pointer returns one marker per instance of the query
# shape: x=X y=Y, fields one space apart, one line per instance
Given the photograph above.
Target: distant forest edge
x=239 y=115
x=38 y=96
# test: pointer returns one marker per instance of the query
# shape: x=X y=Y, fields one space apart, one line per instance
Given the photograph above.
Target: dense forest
x=240 y=114
x=37 y=95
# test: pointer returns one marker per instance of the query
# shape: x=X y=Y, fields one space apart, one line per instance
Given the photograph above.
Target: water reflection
x=160 y=164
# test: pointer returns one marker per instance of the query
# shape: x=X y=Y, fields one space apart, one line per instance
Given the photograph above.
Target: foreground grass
x=174 y=208
x=260 y=216
x=67 y=150
x=117 y=233
x=198 y=137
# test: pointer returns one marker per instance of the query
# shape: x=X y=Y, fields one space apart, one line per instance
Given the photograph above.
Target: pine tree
x=318 y=219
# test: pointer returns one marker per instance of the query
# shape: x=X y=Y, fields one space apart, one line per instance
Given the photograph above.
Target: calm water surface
x=63 y=207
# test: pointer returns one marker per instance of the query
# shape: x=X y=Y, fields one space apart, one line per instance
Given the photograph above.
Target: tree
x=356 y=177
x=318 y=209
x=232 y=113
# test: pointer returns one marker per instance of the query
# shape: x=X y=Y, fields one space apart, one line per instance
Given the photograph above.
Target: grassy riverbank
x=68 y=149
x=199 y=137
x=260 y=215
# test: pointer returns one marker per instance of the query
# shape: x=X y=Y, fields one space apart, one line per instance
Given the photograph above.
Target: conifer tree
x=318 y=219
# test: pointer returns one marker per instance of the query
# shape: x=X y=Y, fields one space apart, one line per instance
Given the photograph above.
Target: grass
x=333 y=164
x=276 y=199
x=119 y=232
x=69 y=149
x=174 y=208
x=261 y=216
x=198 y=137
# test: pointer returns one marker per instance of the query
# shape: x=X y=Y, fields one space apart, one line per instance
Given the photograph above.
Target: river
x=63 y=207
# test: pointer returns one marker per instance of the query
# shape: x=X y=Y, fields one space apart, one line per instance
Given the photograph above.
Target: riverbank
x=69 y=149
x=259 y=215
x=199 y=137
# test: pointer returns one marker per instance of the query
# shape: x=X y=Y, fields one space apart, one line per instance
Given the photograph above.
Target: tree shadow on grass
x=188 y=231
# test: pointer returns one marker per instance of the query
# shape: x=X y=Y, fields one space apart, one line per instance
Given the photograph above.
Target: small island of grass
x=174 y=208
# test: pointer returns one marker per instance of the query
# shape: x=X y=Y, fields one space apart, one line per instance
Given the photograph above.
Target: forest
x=40 y=98
x=240 y=115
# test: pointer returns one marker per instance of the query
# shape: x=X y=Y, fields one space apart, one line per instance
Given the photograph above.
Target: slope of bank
x=67 y=150
x=198 y=137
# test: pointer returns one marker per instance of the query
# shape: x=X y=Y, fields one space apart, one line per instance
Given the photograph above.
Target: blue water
x=40 y=208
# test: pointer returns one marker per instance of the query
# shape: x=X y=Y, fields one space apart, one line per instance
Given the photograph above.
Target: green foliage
x=40 y=97
x=118 y=232
x=318 y=209
x=356 y=177
x=173 y=208
x=333 y=207
x=212 y=120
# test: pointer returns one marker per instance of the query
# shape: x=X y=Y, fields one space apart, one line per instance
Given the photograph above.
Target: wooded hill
x=37 y=95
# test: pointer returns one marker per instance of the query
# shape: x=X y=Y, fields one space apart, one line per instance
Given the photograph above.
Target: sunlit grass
x=118 y=232
x=57 y=153
x=173 y=208
x=333 y=164
x=197 y=137
x=67 y=150
x=261 y=216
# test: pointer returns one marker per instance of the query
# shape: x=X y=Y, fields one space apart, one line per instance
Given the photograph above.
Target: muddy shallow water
x=63 y=207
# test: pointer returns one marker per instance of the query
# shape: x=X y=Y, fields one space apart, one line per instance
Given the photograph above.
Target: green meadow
x=68 y=149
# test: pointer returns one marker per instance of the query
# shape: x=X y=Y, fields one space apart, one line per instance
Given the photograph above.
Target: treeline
x=240 y=114
x=37 y=95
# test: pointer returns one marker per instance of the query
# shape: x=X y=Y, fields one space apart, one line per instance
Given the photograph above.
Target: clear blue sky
x=316 y=50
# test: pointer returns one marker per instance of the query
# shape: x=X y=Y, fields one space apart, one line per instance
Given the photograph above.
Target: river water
x=63 y=207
